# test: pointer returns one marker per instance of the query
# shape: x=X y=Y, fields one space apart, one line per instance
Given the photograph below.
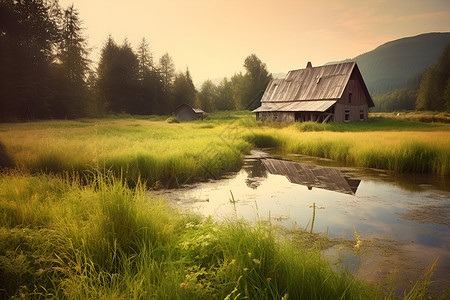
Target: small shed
x=186 y=112
x=320 y=94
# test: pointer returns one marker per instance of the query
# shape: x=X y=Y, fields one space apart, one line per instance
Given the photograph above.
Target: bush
x=172 y=119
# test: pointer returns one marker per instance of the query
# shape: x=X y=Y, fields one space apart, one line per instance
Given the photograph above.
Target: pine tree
x=183 y=90
x=150 y=81
x=106 y=74
x=167 y=70
x=145 y=58
x=432 y=92
x=29 y=35
x=74 y=65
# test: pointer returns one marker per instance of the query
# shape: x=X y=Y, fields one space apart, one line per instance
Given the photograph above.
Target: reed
x=401 y=151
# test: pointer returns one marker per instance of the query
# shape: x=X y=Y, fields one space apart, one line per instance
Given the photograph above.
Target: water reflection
x=327 y=178
x=379 y=205
x=256 y=173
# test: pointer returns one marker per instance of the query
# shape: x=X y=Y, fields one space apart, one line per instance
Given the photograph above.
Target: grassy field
x=76 y=222
x=163 y=153
x=401 y=145
x=156 y=151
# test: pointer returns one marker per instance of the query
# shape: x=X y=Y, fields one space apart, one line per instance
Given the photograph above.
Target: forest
x=427 y=91
x=47 y=74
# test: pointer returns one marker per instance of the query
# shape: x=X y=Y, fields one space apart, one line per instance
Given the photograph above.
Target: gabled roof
x=327 y=178
x=195 y=109
x=324 y=83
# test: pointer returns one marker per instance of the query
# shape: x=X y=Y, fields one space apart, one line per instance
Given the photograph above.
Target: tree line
x=434 y=91
x=46 y=72
x=429 y=90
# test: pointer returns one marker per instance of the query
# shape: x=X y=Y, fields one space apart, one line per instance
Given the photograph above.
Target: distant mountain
x=394 y=64
x=391 y=65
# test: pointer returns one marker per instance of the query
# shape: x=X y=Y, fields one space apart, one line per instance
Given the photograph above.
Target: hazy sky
x=213 y=37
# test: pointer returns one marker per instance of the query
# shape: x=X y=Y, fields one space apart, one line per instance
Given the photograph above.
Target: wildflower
x=233 y=262
x=256 y=261
x=245 y=269
x=184 y=285
x=269 y=279
x=249 y=254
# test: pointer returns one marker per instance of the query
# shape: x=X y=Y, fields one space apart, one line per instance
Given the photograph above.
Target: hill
x=391 y=65
x=394 y=64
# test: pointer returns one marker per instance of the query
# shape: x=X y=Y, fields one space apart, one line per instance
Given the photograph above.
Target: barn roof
x=296 y=106
x=319 y=86
x=195 y=109
x=327 y=178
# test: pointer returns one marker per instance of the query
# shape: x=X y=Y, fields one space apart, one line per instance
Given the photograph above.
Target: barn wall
x=185 y=113
x=357 y=107
x=278 y=116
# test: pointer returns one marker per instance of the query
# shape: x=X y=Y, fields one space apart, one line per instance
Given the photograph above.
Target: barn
x=186 y=112
x=334 y=92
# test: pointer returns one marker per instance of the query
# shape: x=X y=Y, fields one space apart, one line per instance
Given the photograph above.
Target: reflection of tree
x=256 y=173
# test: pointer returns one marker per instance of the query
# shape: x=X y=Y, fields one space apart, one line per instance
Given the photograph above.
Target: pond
x=403 y=220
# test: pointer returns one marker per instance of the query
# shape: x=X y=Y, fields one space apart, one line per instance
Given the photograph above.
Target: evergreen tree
x=167 y=70
x=28 y=38
x=432 y=92
x=151 y=88
x=145 y=58
x=183 y=90
x=74 y=66
x=106 y=73
x=118 y=78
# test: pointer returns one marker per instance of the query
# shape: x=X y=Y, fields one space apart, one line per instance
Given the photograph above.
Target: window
x=347 y=115
x=361 y=115
x=349 y=97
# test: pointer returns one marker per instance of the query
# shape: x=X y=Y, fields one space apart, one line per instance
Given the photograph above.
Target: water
x=403 y=221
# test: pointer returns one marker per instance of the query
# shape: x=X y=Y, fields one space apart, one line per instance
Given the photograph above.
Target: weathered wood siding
x=185 y=113
x=355 y=106
x=277 y=116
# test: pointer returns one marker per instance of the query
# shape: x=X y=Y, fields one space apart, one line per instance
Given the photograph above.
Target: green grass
x=62 y=239
x=162 y=153
x=156 y=151
x=412 y=149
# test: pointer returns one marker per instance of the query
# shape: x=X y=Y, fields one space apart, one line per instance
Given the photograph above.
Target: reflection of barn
x=320 y=94
x=326 y=178
x=185 y=112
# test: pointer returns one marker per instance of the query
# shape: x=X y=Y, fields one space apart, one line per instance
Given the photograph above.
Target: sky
x=213 y=37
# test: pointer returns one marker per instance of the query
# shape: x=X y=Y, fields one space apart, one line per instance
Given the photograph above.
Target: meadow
x=169 y=154
x=76 y=221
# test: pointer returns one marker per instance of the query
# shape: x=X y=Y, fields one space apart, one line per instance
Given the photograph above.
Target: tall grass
x=61 y=239
x=402 y=151
x=155 y=151
x=162 y=153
